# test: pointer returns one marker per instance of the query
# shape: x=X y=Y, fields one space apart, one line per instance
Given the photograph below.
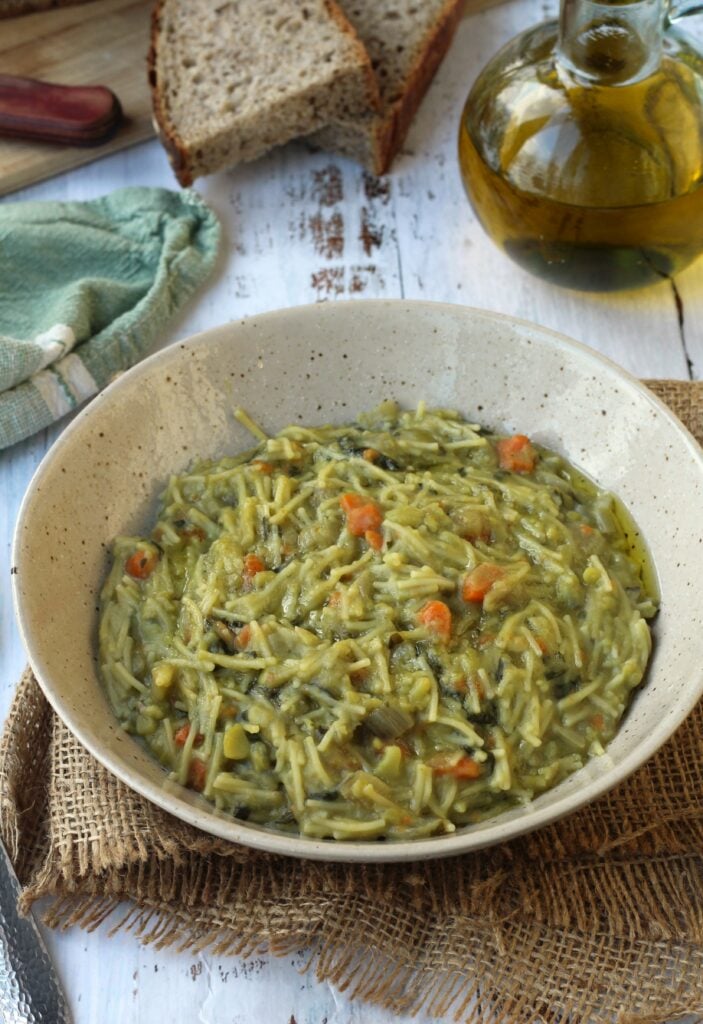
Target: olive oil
x=589 y=185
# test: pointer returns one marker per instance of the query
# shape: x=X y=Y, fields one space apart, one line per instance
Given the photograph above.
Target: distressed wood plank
x=100 y=43
x=147 y=986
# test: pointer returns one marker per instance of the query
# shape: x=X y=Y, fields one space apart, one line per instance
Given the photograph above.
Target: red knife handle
x=74 y=115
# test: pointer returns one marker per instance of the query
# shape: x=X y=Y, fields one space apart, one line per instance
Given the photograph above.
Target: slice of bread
x=230 y=80
x=406 y=40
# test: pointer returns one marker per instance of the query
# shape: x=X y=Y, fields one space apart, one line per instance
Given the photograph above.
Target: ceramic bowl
x=320 y=364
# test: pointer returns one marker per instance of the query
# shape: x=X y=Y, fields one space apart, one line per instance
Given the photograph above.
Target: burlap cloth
x=599 y=917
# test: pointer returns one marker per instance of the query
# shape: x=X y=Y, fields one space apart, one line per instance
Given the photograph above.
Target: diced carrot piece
x=464 y=768
x=252 y=565
x=480 y=580
x=197 y=773
x=262 y=467
x=350 y=500
x=374 y=538
x=370 y=454
x=598 y=722
x=437 y=617
x=542 y=644
x=517 y=454
x=180 y=737
x=335 y=599
x=182 y=734
x=229 y=712
x=243 y=637
x=365 y=517
x=586 y=530
x=362 y=516
x=142 y=563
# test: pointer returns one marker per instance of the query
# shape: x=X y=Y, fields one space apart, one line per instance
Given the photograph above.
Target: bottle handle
x=683 y=9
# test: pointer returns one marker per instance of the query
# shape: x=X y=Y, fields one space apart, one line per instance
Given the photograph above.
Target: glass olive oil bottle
x=581 y=146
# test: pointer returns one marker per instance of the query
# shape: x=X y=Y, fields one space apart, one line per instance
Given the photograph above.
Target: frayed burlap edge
x=467 y=970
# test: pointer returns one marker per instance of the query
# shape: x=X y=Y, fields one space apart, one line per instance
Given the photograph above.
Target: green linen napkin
x=85 y=287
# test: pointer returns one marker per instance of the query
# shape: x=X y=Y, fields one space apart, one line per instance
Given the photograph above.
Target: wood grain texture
x=99 y=43
x=304 y=227
x=13 y=8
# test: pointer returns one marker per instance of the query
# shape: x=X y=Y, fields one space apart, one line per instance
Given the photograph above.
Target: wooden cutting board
x=104 y=42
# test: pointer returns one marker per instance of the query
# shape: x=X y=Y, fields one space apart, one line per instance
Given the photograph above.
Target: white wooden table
x=304 y=227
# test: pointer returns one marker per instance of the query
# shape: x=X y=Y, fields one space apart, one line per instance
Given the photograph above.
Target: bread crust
x=173 y=144
x=176 y=149
x=389 y=130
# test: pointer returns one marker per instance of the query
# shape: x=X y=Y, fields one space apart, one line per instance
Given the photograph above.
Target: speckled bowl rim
x=492 y=832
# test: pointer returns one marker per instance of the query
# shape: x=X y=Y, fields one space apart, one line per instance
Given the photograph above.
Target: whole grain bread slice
x=231 y=79
x=406 y=40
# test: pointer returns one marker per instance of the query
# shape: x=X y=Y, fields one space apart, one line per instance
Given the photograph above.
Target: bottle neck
x=611 y=42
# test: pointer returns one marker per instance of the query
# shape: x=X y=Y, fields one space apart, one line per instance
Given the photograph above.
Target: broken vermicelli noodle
x=391 y=628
